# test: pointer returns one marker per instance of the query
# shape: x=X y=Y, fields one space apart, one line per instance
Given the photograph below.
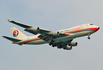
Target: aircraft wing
x=19 y=24
x=35 y=30
x=29 y=28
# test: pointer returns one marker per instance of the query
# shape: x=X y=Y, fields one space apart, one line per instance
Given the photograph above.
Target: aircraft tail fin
x=17 y=34
x=11 y=39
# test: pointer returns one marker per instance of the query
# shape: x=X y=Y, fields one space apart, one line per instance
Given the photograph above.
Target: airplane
x=60 y=39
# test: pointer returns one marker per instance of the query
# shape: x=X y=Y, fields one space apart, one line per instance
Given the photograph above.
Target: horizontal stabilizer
x=11 y=39
x=19 y=24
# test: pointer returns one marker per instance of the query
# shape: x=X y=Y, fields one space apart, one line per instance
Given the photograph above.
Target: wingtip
x=8 y=20
x=3 y=36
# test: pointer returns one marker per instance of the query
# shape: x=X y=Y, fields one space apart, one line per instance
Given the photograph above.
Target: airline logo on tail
x=15 y=33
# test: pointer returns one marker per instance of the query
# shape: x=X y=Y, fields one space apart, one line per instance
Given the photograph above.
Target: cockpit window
x=91 y=24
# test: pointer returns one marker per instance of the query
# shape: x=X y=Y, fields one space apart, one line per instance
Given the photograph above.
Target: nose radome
x=97 y=28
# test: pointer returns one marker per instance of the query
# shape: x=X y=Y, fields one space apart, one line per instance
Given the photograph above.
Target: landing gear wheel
x=53 y=45
x=88 y=37
x=64 y=48
x=59 y=47
x=51 y=42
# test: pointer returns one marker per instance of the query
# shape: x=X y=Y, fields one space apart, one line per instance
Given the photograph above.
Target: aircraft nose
x=97 y=28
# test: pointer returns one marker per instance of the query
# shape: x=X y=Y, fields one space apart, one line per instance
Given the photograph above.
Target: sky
x=52 y=15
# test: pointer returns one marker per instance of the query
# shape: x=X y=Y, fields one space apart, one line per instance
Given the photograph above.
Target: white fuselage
x=74 y=32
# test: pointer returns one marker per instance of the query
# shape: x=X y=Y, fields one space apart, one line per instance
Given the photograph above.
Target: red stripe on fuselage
x=93 y=29
x=29 y=40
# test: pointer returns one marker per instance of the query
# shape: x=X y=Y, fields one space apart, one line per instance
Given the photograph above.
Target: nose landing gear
x=88 y=36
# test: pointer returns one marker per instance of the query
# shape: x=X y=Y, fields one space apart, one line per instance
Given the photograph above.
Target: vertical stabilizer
x=16 y=33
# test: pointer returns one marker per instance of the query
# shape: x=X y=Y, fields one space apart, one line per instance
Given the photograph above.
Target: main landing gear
x=88 y=36
x=52 y=42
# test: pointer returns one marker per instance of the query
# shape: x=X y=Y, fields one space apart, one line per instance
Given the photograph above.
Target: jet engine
x=54 y=33
x=68 y=47
x=34 y=30
x=73 y=43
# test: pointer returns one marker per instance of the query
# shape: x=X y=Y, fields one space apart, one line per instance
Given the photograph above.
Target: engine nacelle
x=34 y=30
x=54 y=33
x=73 y=43
x=68 y=47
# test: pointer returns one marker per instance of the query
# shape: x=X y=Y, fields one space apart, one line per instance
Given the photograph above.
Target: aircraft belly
x=37 y=42
x=73 y=35
x=62 y=39
x=83 y=33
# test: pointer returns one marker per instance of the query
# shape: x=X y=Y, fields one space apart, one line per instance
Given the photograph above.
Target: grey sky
x=52 y=15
